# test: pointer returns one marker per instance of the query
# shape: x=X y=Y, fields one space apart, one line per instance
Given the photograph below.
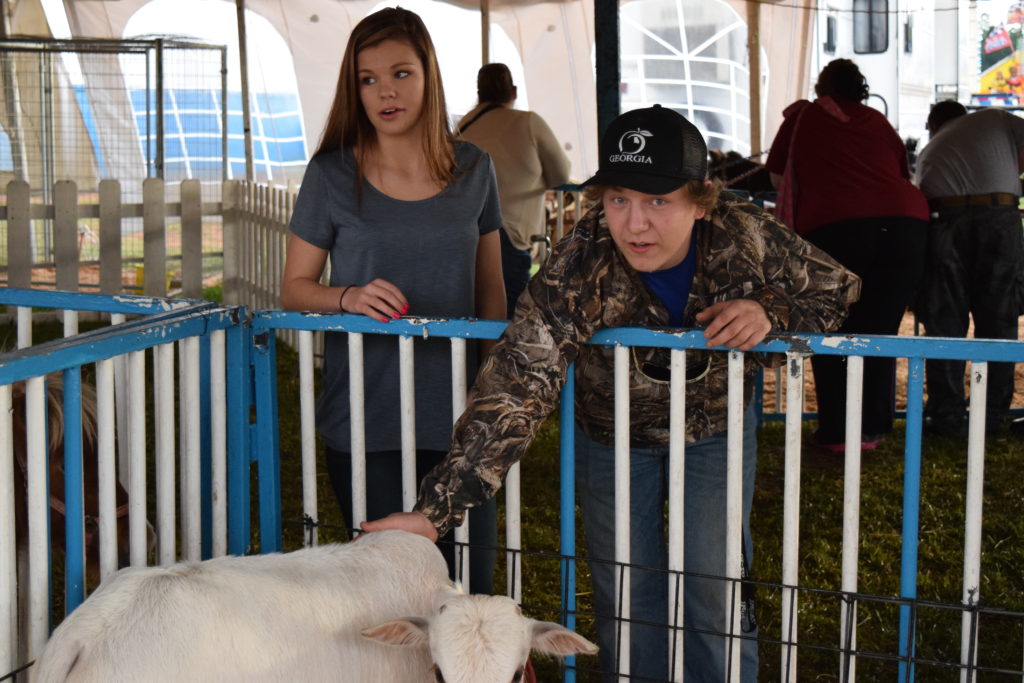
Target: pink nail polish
x=405 y=309
x=394 y=315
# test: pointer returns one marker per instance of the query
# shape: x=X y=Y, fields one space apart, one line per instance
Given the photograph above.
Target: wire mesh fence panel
x=89 y=110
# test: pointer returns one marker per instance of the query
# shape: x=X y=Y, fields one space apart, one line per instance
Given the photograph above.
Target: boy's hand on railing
x=413 y=522
x=737 y=324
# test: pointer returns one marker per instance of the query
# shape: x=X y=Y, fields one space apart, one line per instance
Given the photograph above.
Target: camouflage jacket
x=586 y=285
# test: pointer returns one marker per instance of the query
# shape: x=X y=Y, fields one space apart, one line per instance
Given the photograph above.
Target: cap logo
x=631 y=144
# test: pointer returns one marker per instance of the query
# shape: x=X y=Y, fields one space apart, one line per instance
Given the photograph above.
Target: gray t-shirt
x=426 y=248
x=973 y=154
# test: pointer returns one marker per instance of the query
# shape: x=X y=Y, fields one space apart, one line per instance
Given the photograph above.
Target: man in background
x=527 y=160
x=970 y=173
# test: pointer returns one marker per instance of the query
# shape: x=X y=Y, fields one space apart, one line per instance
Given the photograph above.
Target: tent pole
x=804 y=65
x=754 y=58
x=485 y=31
x=608 y=79
x=243 y=58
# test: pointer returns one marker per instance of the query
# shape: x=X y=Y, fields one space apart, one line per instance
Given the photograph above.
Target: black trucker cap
x=653 y=150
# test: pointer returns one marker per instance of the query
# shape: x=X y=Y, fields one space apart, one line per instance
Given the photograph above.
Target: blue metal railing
x=163 y=321
x=251 y=380
x=915 y=349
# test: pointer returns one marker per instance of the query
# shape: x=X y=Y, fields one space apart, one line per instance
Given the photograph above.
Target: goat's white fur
x=302 y=616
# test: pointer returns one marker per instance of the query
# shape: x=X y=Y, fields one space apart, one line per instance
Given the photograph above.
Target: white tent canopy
x=555 y=41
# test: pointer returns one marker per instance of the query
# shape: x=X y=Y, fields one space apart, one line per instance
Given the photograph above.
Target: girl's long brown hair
x=348 y=124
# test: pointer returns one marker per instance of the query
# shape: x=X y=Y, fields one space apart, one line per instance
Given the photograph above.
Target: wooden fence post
x=154 y=226
x=191 y=239
x=65 y=234
x=230 y=194
x=110 y=237
x=19 y=231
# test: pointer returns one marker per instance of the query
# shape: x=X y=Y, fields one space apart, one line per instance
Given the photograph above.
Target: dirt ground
x=89 y=278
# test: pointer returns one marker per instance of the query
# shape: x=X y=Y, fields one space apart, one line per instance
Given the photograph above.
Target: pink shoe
x=868 y=443
x=871 y=442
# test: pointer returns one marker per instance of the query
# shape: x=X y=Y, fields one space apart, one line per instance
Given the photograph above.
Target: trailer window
x=830 y=36
x=870 y=26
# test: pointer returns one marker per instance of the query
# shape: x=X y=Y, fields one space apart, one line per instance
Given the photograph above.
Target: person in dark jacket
x=970 y=173
x=844 y=184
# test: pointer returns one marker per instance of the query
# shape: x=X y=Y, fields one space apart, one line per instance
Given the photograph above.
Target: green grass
x=940 y=552
x=943 y=488
x=821 y=495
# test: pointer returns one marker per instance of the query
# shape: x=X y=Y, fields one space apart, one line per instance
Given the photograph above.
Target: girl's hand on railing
x=413 y=522
x=378 y=299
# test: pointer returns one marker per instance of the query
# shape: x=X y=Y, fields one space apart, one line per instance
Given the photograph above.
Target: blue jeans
x=384 y=496
x=706 y=606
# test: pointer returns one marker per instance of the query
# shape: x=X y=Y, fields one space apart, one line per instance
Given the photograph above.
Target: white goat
x=302 y=616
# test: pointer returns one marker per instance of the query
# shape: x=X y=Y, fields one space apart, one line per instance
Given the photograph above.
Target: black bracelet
x=341 y=299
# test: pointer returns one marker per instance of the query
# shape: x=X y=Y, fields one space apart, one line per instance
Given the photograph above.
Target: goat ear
x=407 y=631
x=552 y=639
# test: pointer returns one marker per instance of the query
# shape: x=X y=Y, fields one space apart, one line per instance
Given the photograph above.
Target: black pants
x=384 y=496
x=515 y=269
x=888 y=254
x=975 y=262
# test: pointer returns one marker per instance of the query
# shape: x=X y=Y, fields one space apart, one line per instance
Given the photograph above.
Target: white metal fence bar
x=218 y=443
x=513 y=534
x=973 y=513
x=407 y=408
x=24 y=327
x=163 y=427
x=70 y=323
x=794 y=369
x=106 y=467
x=137 y=457
x=357 y=425
x=307 y=435
x=851 y=516
x=122 y=399
x=191 y=451
x=622 y=506
x=734 y=512
x=459 y=389
x=8 y=564
x=38 y=532
x=676 y=509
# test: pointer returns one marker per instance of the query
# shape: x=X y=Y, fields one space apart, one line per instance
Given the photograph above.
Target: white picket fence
x=247 y=228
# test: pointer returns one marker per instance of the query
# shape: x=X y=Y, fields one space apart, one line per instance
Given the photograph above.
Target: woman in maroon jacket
x=844 y=185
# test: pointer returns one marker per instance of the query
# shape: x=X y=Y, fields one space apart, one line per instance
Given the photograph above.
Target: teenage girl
x=409 y=218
